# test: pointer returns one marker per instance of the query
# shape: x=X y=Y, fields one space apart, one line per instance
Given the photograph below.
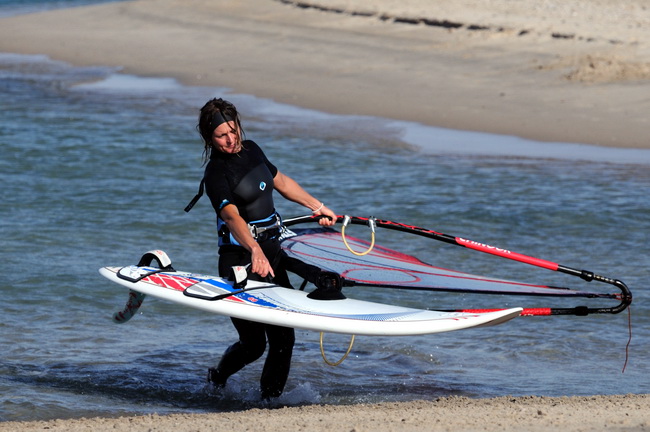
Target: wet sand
x=629 y=413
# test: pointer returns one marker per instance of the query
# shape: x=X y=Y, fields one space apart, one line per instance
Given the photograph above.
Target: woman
x=239 y=181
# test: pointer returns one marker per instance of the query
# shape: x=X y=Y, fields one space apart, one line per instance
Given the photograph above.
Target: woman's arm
x=292 y=191
x=240 y=231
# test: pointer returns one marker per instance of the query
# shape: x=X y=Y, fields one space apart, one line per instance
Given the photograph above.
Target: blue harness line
x=262 y=229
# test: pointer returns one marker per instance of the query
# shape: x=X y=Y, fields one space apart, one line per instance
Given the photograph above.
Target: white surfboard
x=276 y=305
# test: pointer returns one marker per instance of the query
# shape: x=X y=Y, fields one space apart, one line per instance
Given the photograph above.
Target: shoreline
x=530 y=73
x=627 y=413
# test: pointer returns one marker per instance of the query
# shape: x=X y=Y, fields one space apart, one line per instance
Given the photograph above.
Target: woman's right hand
x=260 y=264
x=239 y=229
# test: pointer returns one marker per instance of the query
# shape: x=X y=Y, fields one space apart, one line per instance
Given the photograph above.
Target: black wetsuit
x=245 y=179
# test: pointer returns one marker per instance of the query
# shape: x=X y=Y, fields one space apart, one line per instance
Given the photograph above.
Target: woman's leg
x=250 y=347
x=278 y=361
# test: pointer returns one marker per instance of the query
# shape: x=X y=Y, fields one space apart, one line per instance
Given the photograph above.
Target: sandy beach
x=612 y=413
x=565 y=71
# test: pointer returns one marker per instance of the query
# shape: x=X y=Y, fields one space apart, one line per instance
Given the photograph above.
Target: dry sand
x=551 y=70
x=457 y=414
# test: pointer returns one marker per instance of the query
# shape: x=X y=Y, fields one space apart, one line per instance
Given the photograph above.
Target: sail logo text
x=471 y=243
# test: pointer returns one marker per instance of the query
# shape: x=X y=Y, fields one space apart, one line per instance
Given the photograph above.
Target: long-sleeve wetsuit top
x=244 y=179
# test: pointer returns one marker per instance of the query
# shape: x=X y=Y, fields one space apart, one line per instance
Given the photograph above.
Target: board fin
x=132 y=305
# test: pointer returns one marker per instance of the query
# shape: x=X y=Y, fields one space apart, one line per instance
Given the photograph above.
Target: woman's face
x=225 y=138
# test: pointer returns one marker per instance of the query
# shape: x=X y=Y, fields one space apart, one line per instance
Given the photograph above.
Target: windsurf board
x=272 y=304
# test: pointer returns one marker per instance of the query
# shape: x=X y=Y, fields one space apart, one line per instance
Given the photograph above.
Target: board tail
x=136 y=298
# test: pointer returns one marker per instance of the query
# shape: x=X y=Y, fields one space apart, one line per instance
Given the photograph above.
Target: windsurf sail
x=379 y=266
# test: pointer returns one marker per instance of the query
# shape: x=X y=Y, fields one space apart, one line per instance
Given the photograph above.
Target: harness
x=261 y=231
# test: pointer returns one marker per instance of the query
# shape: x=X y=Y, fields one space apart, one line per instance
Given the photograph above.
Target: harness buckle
x=256 y=230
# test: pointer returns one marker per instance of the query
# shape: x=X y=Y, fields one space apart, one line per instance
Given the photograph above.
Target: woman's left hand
x=326 y=221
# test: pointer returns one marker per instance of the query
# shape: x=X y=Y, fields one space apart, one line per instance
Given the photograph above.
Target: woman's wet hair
x=214 y=113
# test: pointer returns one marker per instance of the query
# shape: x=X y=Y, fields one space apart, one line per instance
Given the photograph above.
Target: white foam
x=303 y=393
x=447 y=141
x=124 y=83
x=13 y=58
x=26 y=7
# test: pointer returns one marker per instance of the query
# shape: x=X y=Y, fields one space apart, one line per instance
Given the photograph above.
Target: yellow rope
x=346 y=220
x=322 y=351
